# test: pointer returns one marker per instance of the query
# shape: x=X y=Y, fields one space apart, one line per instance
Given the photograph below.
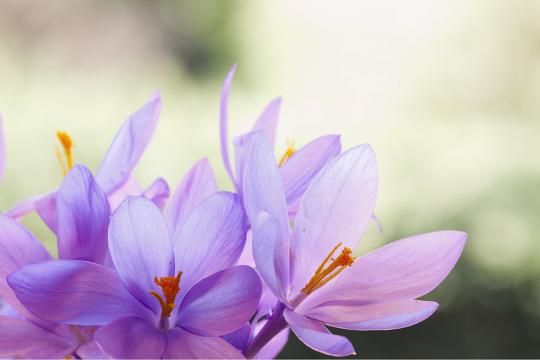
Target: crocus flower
x=83 y=218
x=114 y=175
x=310 y=267
x=297 y=167
x=167 y=298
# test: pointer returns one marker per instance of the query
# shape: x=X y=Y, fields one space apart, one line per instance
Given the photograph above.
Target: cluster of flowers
x=207 y=273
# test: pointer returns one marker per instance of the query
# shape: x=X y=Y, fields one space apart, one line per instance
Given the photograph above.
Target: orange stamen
x=288 y=153
x=67 y=146
x=324 y=274
x=170 y=286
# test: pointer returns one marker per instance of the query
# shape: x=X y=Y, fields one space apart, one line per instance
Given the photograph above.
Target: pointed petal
x=182 y=344
x=128 y=146
x=404 y=269
x=158 y=192
x=197 y=185
x=314 y=334
x=336 y=207
x=140 y=248
x=301 y=168
x=272 y=349
x=263 y=192
x=131 y=338
x=242 y=145
x=268 y=120
x=83 y=217
x=21 y=339
x=18 y=248
x=392 y=315
x=221 y=303
x=223 y=122
x=211 y=239
x=46 y=208
x=74 y=292
x=129 y=188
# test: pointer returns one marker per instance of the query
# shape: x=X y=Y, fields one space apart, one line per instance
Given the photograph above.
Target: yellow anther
x=67 y=146
x=288 y=153
x=324 y=274
x=170 y=286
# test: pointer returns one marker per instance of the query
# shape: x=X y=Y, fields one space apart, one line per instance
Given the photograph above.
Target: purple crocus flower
x=114 y=175
x=167 y=298
x=310 y=268
x=297 y=168
x=83 y=218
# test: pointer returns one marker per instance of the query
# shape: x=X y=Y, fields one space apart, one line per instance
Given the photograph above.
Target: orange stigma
x=67 y=146
x=170 y=286
x=324 y=274
x=288 y=153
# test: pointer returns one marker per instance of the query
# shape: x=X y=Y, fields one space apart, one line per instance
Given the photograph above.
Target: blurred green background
x=446 y=92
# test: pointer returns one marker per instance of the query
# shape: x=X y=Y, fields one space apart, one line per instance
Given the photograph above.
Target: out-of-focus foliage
x=446 y=92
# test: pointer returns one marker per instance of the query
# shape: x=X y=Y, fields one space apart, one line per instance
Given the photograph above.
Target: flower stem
x=274 y=325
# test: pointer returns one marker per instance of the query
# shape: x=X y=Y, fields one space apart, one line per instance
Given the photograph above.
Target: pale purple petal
x=223 y=122
x=378 y=316
x=131 y=338
x=18 y=248
x=268 y=120
x=197 y=185
x=74 y=292
x=211 y=239
x=129 y=188
x=128 y=146
x=221 y=303
x=91 y=350
x=303 y=165
x=240 y=338
x=22 y=339
x=404 y=269
x=314 y=334
x=158 y=192
x=141 y=248
x=242 y=145
x=263 y=192
x=45 y=206
x=83 y=217
x=182 y=344
x=23 y=208
x=2 y=148
x=272 y=349
x=336 y=207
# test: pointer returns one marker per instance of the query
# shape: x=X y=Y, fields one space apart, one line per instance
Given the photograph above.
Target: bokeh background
x=446 y=92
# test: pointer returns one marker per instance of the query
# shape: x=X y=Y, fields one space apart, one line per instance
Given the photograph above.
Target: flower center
x=170 y=286
x=288 y=153
x=325 y=273
x=67 y=145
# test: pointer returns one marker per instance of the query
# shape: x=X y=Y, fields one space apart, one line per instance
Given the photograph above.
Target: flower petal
x=298 y=171
x=378 y=316
x=315 y=335
x=131 y=338
x=83 y=217
x=20 y=338
x=221 y=303
x=18 y=248
x=91 y=350
x=404 y=269
x=263 y=192
x=197 y=185
x=128 y=146
x=268 y=120
x=140 y=248
x=272 y=349
x=211 y=239
x=182 y=344
x=45 y=206
x=74 y=292
x=336 y=207
x=223 y=122
x=158 y=192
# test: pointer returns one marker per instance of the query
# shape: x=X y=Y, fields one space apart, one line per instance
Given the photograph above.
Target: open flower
x=297 y=167
x=311 y=268
x=114 y=175
x=82 y=220
x=171 y=299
